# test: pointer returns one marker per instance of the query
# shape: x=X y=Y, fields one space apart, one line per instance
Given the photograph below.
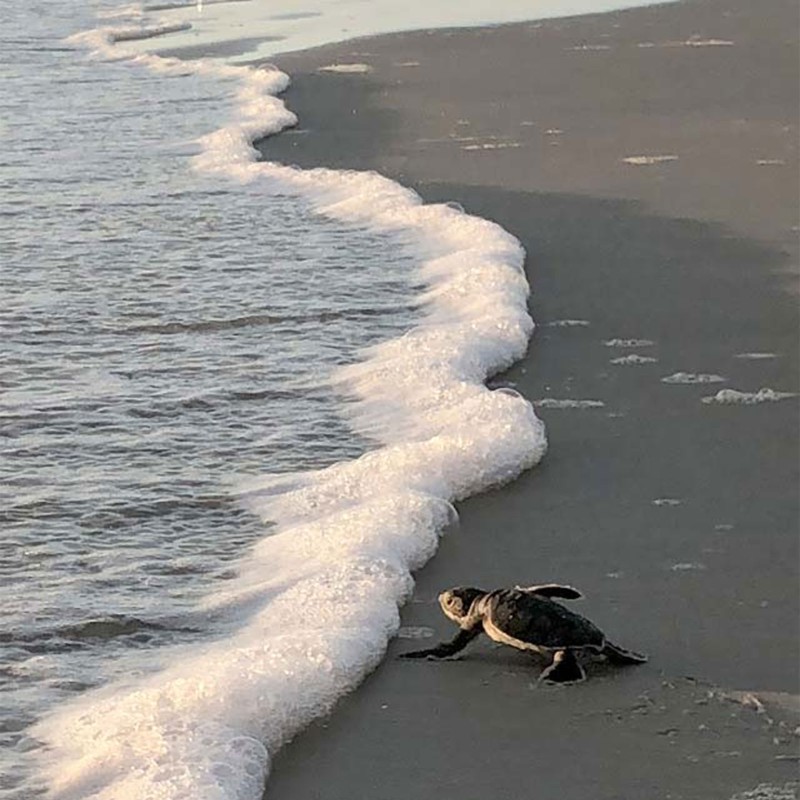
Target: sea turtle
x=528 y=619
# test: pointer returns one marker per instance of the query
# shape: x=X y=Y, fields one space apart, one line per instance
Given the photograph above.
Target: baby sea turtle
x=528 y=619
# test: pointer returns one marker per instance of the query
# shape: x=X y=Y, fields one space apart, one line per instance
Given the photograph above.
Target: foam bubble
x=628 y=343
x=693 y=377
x=492 y=146
x=696 y=41
x=770 y=791
x=757 y=356
x=590 y=47
x=633 y=359
x=553 y=402
x=347 y=69
x=102 y=40
x=315 y=603
x=647 y=161
x=567 y=323
x=735 y=397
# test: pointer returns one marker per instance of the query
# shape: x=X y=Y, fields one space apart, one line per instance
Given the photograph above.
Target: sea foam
x=735 y=397
x=314 y=604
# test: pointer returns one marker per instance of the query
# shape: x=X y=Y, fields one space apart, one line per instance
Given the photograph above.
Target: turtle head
x=460 y=604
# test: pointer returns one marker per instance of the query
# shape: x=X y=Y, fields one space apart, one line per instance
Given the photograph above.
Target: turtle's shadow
x=528 y=665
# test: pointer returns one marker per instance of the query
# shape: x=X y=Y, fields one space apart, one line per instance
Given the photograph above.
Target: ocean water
x=251 y=29
x=238 y=401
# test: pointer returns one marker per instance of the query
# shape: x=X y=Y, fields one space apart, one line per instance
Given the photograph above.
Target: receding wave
x=254 y=320
x=177 y=6
x=133 y=35
x=111 y=626
x=311 y=609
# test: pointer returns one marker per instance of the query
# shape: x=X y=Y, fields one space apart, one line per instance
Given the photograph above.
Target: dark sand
x=697 y=254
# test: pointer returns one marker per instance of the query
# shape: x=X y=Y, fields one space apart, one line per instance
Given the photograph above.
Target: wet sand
x=647 y=161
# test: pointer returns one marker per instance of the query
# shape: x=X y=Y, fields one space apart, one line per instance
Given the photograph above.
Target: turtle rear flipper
x=621 y=656
x=564 y=669
x=553 y=590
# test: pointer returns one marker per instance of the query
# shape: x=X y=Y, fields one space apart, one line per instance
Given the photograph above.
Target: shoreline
x=648 y=173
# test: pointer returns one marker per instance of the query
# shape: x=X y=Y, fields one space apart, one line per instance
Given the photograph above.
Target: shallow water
x=162 y=334
x=246 y=30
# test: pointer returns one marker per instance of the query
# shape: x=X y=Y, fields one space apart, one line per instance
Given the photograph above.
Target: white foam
x=492 y=146
x=355 y=69
x=756 y=356
x=693 y=41
x=700 y=42
x=102 y=40
x=633 y=359
x=628 y=343
x=315 y=603
x=148 y=32
x=567 y=323
x=770 y=791
x=646 y=161
x=693 y=377
x=735 y=397
x=553 y=402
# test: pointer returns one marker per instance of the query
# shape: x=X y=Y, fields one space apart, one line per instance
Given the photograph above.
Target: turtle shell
x=526 y=620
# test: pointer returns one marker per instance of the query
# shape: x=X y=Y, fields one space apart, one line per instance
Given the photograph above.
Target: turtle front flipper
x=461 y=640
x=564 y=669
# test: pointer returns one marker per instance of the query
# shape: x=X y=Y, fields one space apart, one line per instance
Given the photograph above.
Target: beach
x=646 y=159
